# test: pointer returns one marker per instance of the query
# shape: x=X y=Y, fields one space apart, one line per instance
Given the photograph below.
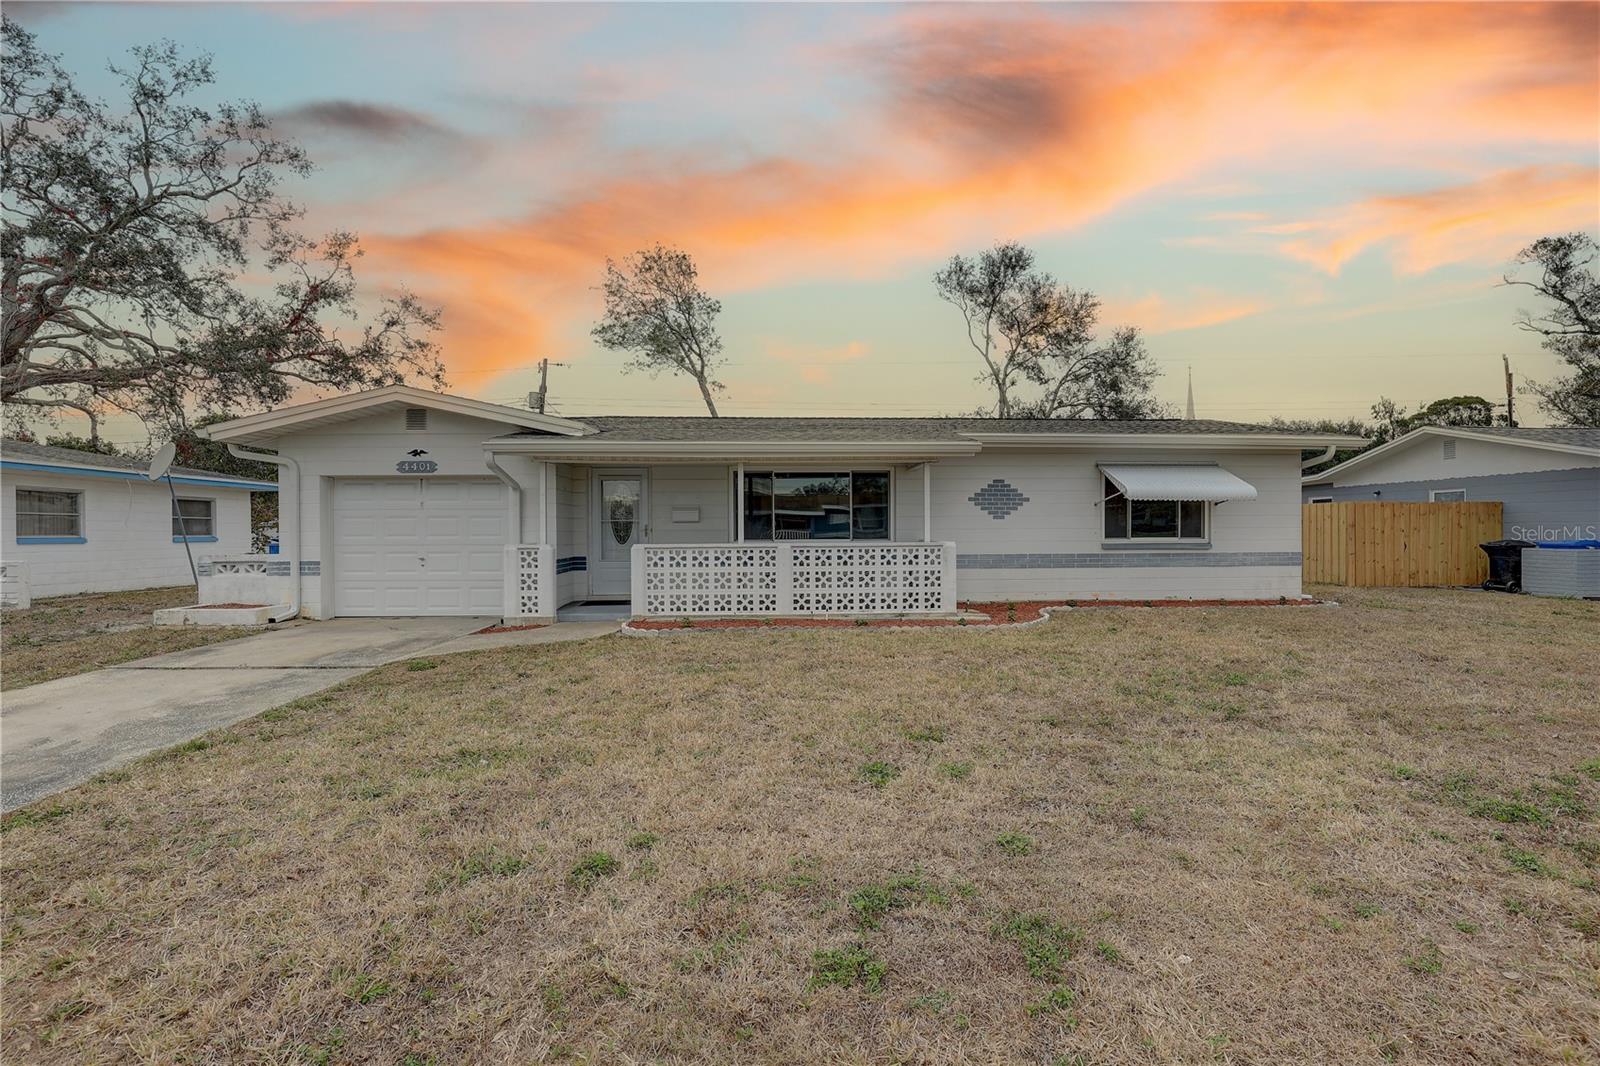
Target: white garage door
x=408 y=546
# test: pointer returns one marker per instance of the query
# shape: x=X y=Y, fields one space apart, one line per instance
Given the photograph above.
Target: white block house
x=399 y=501
x=75 y=521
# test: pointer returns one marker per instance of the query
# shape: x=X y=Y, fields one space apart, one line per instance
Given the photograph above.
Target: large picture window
x=1152 y=519
x=46 y=513
x=194 y=518
x=822 y=505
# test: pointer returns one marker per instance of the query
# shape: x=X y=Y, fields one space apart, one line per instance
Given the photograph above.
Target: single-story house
x=399 y=501
x=1548 y=479
x=75 y=521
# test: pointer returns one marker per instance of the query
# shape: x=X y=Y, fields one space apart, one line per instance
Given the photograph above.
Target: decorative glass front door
x=619 y=524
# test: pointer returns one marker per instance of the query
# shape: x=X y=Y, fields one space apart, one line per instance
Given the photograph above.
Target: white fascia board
x=1157 y=441
x=589 y=449
x=276 y=423
x=1442 y=431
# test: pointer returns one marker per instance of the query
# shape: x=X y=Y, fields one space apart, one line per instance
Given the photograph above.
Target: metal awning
x=1207 y=483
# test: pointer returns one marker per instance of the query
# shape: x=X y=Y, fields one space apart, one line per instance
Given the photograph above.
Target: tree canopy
x=655 y=308
x=1563 y=273
x=1036 y=338
x=128 y=231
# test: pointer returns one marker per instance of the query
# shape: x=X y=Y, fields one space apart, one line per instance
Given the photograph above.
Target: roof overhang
x=1202 y=482
x=1156 y=441
x=219 y=481
x=268 y=426
x=590 y=450
x=1443 y=431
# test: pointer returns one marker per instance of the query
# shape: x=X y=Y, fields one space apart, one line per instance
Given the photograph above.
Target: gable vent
x=416 y=418
x=1449 y=449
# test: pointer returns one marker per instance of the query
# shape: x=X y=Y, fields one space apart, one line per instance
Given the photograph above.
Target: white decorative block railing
x=530 y=589
x=794 y=577
x=262 y=580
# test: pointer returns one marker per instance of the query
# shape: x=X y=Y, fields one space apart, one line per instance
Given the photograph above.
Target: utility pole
x=536 y=399
x=1511 y=414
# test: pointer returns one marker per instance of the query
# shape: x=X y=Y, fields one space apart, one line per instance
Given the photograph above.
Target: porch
x=817 y=538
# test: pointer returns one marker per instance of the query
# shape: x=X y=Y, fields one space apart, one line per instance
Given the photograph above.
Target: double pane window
x=194 y=518
x=820 y=505
x=44 y=513
x=1127 y=519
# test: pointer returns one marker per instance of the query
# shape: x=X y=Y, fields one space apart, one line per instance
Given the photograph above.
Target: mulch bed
x=508 y=629
x=999 y=614
x=226 y=606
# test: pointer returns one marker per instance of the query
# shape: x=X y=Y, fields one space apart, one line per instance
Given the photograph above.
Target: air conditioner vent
x=1449 y=449
x=416 y=418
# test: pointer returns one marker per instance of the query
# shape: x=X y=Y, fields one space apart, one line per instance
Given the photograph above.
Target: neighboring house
x=399 y=501
x=81 y=522
x=1548 y=479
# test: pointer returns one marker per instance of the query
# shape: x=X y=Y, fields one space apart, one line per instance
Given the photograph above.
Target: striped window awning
x=1205 y=483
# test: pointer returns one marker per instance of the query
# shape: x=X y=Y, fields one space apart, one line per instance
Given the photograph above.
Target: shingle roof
x=643 y=428
x=1573 y=435
x=27 y=451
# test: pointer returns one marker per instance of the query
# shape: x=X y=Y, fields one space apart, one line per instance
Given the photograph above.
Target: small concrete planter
x=205 y=615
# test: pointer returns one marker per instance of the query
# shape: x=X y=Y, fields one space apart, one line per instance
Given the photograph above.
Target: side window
x=194 y=518
x=48 y=514
x=1127 y=519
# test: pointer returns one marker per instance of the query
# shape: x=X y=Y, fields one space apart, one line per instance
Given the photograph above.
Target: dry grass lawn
x=67 y=635
x=1252 y=835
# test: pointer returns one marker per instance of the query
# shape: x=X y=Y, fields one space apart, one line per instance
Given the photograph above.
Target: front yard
x=67 y=635
x=1355 y=835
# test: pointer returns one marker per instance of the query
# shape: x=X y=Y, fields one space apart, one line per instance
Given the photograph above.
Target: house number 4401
x=416 y=466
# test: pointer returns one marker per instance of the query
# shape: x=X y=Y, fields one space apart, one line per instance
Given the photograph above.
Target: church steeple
x=1189 y=414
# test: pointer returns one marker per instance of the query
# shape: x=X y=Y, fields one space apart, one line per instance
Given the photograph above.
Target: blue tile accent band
x=572 y=563
x=194 y=540
x=998 y=499
x=52 y=540
x=1122 y=559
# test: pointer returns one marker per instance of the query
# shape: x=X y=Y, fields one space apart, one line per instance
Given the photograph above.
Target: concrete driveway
x=61 y=733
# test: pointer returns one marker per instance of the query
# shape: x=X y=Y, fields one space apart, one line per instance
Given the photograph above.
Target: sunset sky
x=1310 y=205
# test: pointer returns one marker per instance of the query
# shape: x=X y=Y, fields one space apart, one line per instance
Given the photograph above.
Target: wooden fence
x=1397 y=544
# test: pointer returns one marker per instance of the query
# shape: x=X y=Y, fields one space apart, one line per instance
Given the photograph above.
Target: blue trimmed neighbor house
x=75 y=521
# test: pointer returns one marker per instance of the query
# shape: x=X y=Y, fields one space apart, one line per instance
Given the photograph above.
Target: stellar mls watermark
x=1547 y=533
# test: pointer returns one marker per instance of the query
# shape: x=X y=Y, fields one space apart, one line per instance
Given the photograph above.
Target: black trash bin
x=1505 y=564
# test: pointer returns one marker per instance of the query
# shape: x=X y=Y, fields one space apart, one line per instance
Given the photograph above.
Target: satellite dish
x=162 y=461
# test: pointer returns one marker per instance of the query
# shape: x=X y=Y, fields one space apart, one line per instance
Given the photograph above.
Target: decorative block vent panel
x=794 y=577
x=998 y=499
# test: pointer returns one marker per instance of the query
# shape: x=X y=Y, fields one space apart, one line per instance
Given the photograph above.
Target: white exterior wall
x=370 y=447
x=1255 y=544
x=1423 y=460
x=572 y=532
x=127 y=528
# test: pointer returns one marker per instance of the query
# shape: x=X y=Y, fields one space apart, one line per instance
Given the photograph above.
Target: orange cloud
x=1156 y=314
x=1005 y=125
x=816 y=363
x=1481 y=220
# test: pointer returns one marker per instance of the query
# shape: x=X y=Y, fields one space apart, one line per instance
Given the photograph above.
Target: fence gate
x=1412 y=545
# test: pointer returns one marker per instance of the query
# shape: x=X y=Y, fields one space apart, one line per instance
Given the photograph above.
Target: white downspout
x=516 y=495
x=1307 y=464
x=288 y=524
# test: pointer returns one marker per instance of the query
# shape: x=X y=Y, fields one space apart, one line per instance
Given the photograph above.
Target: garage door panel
x=408 y=546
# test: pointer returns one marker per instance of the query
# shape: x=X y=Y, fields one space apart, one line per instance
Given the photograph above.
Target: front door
x=618 y=524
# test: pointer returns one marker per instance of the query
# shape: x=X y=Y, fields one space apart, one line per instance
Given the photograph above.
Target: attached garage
x=418 y=546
